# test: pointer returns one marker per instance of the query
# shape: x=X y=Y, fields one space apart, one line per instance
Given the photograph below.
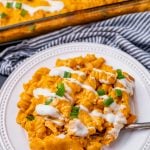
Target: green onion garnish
x=48 y=101
x=74 y=112
x=23 y=12
x=32 y=27
x=9 y=5
x=107 y=102
x=18 y=5
x=60 y=89
x=67 y=74
x=30 y=117
x=101 y=92
x=119 y=74
x=118 y=92
x=2 y=15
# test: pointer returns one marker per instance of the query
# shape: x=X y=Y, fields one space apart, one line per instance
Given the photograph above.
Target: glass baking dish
x=44 y=25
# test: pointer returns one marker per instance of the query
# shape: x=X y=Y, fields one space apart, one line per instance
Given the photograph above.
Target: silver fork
x=140 y=126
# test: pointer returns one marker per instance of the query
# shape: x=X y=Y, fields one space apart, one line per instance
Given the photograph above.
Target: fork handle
x=136 y=126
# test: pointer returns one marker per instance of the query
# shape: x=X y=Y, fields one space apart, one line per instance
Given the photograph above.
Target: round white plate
x=13 y=137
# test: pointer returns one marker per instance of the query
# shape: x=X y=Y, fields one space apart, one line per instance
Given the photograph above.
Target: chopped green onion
x=30 y=117
x=60 y=89
x=67 y=74
x=18 y=5
x=119 y=74
x=74 y=112
x=32 y=27
x=23 y=12
x=118 y=92
x=2 y=15
x=101 y=92
x=48 y=101
x=107 y=102
x=9 y=5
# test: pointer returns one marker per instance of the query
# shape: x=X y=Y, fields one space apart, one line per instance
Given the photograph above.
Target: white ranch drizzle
x=54 y=6
x=47 y=110
x=104 y=97
x=128 y=85
x=47 y=93
x=61 y=136
x=109 y=117
x=122 y=89
x=113 y=115
x=119 y=122
x=57 y=122
x=108 y=73
x=77 y=128
x=59 y=71
x=111 y=74
x=89 y=88
x=69 y=98
x=83 y=108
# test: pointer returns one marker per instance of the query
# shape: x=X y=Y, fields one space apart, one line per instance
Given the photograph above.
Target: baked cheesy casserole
x=16 y=11
x=81 y=104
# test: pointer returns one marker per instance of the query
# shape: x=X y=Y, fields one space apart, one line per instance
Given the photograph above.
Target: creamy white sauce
x=42 y=92
x=104 y=97
x=113 y=115
x=116 y=130
x=67 y=93
x=61 y=136
x=122 y=89
x=59 y=71
x=96 y=113
x=77 y=128
x=104 y=81
x=109 y=117
x=54 y=6
x=46 y=93
x=109 y=75
x=47 y=110
x=67 y=88
x=89 y=88
x=128 y=85
x=119 y=119
x=57 y=122
x=83 y=108
x=69 y=98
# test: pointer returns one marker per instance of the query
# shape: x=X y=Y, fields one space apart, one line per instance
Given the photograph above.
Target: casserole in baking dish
x=16 y=11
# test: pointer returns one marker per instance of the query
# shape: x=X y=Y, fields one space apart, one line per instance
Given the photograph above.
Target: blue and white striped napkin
x=130 y=33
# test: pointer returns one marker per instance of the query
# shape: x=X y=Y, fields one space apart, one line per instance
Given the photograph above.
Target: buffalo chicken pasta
x=16 y=11
x=80 y=104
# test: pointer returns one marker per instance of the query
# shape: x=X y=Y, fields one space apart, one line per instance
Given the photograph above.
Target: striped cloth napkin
x=130 y=33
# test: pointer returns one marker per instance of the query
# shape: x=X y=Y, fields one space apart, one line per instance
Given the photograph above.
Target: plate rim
x=55 y=50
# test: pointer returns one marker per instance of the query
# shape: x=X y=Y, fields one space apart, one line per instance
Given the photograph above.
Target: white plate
x=13 y=136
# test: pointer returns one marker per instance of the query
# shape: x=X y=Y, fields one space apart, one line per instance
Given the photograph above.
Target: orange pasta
x=76 y=105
